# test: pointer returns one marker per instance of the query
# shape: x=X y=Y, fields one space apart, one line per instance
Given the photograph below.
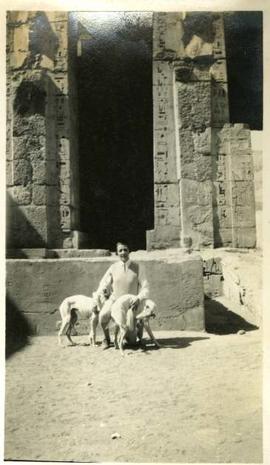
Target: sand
x=197 y=399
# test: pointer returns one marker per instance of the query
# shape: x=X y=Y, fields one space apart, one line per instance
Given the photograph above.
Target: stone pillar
x=42 y=179
x=190 y=92
x=234 y=199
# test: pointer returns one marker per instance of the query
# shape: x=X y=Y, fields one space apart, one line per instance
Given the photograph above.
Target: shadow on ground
x=220 y=320
x=177 y=342
x=18 y=329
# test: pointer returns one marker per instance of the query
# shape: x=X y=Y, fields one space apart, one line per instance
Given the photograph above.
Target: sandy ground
x=197 y=399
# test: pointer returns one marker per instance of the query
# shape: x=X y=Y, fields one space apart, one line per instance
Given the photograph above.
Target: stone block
x=194 y=105
x=167 y=33
x=194 y=164
x=197 y=220
x=22 y=172
x=29 y=125
x=213 y=285
x=164 y=126
x=223 y=236
x=202 y=141
x=241 y=168
x=221 y=194
x=162 y=74
x=21 y=195
x=28 y=253
x=222 y=216
x=243 y=193
x=39 y=195
x=79 y=253
x=162 y=237
x=244 y=216
x=20 y=147
x=167 y=216
x=26 y=226
x=38 y=286
x=167 y=194
x=39 y=171
x=244 y=237
x=212 y=266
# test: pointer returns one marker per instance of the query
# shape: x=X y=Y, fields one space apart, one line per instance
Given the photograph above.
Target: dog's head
x=148 y=310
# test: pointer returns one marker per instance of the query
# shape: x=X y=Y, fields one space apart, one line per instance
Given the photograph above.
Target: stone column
x=42 y=174
x=190 y=92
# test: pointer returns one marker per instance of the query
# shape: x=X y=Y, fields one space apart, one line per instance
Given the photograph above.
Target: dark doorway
x=114 y=76
x=244 y=47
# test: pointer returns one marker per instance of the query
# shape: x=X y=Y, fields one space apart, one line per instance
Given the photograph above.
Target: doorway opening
x=114 y=79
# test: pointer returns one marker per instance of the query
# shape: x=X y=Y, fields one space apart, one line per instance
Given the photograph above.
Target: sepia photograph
x=134 y=236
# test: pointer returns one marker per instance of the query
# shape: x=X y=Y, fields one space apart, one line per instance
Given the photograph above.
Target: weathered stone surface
x=28 y=253
x=176 y=287
x=27 y=125
x=194 y=164
x=40 y=100
x=39 y=195
x=244 y=237
x=223 y=216
x=26 y=227
x=79 y=253
x=9 y=173
x=223 y=237
x=202 y=141
x=219 y=103
x=39 y=171
x=242 y=169
x=163 y=237
x=243 y=193
x=22 y=195
x=167 y=35
x=194 y=105
x=22 y=172
x=198 y=215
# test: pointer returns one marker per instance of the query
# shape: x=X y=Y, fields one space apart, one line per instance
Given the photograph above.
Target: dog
x=80 y=307
x=123 y=314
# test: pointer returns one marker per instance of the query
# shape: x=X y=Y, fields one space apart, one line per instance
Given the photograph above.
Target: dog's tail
x=53 y=311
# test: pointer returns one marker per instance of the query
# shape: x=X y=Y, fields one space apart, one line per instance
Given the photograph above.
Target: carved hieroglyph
x=42 y=174
x=203 y=176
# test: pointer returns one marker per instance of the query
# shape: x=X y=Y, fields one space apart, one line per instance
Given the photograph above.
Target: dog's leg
x=122 y=335
x=72 y=321
x=150 y=334
x=62 y=331
x=140 y=330
x=116 y=332
x=93 y=327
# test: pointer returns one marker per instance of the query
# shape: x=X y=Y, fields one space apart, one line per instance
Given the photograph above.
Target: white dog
x=80 y=307
x=122 y=314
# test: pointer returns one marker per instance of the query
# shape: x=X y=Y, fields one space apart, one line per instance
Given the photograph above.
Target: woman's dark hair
x=121 y=243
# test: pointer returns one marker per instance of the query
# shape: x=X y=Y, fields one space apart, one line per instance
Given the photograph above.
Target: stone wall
x=204 y=191
x=36 y=287
x=41 y=141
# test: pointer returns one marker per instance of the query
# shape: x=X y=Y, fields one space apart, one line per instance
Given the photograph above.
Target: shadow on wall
x=20 y=231
x=220 y=320
x=18 y=329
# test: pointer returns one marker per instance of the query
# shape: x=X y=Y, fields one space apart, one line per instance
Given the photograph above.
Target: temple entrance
x=114 y=82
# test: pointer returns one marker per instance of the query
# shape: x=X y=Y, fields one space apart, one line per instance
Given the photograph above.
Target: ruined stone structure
x=203 y=172
x=42 y=168
x=203 y=176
